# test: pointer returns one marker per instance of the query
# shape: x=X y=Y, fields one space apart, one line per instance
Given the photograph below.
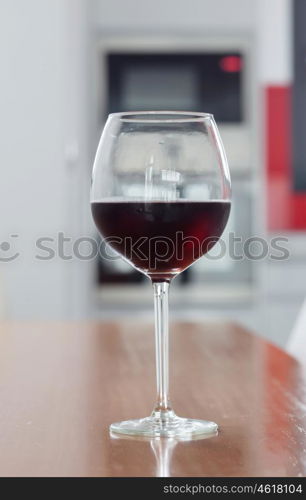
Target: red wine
x=160 y=238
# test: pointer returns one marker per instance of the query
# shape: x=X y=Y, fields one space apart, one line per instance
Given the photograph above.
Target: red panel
x=286 y=209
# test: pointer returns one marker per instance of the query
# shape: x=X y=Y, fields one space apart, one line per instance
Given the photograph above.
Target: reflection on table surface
x=62 y=385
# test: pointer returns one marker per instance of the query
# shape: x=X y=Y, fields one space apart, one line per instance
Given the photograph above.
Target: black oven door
x=209 y=82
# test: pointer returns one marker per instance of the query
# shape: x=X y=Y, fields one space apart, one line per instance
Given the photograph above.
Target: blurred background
x=66 y=64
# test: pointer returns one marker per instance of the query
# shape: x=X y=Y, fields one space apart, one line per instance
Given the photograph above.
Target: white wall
x=273 y=20
x=160 y=15
x=42 y=111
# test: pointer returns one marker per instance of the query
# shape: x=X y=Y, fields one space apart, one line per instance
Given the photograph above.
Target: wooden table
x=61 y=385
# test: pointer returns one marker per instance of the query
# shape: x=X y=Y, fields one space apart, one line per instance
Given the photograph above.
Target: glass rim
x=162 y=116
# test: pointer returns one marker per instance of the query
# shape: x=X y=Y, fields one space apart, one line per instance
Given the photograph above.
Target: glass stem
x=162 y=408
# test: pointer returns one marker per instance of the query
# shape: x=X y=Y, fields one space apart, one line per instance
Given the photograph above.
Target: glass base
x=182 y=428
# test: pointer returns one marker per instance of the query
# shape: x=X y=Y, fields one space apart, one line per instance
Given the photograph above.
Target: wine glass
x=160 y=197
